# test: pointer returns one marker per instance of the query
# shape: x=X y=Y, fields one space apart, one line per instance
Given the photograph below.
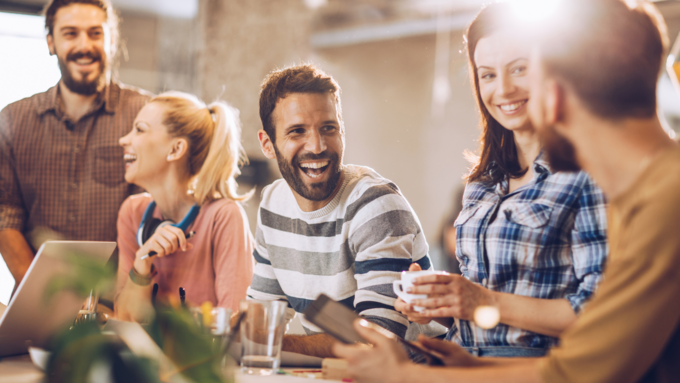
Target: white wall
x=386 y=94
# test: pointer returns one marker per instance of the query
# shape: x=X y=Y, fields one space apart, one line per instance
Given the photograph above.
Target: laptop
x=30 y=320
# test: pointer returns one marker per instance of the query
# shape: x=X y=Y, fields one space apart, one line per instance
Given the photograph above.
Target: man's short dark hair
x=53 y=6
x=608 y=53
x=305 y=78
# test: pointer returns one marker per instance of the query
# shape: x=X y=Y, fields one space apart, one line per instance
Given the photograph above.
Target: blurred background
x=408 y=107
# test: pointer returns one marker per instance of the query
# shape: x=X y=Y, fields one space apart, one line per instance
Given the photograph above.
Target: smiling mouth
x=315 y=169
x=512 y=107
x=129 y=158
x=85 y=61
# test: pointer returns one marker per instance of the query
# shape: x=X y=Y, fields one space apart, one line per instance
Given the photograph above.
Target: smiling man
x=342 y=230
x=61 y=169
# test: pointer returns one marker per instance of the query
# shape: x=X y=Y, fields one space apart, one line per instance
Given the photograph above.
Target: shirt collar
x=541 y=170
x=50 y=101
x=541 y=165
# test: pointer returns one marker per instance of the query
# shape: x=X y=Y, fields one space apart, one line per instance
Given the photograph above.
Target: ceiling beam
x=14 y=6
x=401 y=29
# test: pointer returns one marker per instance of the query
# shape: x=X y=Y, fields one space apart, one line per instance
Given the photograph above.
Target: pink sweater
x=217 y=269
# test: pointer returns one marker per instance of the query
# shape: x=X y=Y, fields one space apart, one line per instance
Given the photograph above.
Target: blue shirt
x=547 y=239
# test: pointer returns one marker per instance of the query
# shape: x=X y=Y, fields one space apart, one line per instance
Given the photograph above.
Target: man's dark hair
x=305 y=78
x=609 y=54
x=53 y=6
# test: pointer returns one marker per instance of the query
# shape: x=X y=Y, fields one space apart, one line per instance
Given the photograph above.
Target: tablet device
x=29 y=320
x=337 y=320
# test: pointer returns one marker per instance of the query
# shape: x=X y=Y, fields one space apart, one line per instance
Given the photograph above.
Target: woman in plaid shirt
x=529 y=241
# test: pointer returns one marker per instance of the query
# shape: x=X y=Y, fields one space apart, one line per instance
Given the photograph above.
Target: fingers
x=436 y=302
x=411 y=314
x=419 y=319
x=163 y=246
x=344 y=351
x=436 y=278
x=445 y=312
x=364 y=328
x=430 y=289
x=400 y=305
x=414 y=267
x=167 y=240
x=175 y=236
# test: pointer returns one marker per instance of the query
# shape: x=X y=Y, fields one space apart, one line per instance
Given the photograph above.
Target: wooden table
x=20 y=369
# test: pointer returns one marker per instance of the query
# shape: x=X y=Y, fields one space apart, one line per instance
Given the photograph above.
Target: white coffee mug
x=407 y=277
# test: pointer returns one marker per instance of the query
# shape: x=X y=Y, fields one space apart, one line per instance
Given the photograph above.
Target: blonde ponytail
x=214 y=136
x=221 y=167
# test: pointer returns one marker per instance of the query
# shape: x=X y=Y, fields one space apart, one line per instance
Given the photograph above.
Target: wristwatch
x=142 y=280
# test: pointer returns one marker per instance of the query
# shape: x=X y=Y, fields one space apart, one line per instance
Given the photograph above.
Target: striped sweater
x=352 y=249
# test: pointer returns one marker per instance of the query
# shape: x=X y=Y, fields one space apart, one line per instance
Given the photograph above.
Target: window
x=26 y=68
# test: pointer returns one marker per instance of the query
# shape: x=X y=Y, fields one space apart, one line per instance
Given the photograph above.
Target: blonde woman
x=185 y=155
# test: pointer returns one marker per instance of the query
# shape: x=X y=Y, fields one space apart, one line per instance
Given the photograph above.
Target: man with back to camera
x=600 y=117
x=61 y=168
x=342 y=230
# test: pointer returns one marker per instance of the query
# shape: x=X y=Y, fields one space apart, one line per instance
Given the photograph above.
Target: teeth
x=129 y=157
x=512 y=107
x=84 y=61
x=314 y=165
x=314 y=175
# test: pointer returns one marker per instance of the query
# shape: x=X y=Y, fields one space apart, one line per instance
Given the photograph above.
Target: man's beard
x=319 y=191
x=560 y=152
x=83 y=87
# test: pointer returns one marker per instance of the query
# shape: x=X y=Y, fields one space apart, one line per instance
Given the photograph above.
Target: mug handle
x=397 y=287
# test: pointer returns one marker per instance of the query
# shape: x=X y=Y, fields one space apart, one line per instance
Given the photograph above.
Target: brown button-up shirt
x=630 y=330
x=63 y=176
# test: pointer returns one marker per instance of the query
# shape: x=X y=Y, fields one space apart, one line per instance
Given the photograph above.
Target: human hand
x=408 y=309
x=166 y=240
x=410 y=312
x=450 y=295
x=380 y=363
x=450 y=353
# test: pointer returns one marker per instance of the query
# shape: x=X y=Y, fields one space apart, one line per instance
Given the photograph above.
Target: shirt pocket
x=529 y=231
x=465 y=214
x=109 y=168
x=531 y=215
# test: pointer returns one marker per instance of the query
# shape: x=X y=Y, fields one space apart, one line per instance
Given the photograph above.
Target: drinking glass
x=262 y=331
x=88 y=312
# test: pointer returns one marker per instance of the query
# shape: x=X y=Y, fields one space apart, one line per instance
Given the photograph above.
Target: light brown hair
x=214 y=136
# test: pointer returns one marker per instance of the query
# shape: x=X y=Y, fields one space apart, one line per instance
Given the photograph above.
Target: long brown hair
x=497 y=151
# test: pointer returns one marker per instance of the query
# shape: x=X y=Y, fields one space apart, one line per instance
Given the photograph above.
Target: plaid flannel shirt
x=544 y=240
x=65 y=179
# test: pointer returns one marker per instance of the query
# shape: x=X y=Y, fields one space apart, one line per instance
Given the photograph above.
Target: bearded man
x=342 y=230
x=61 y=168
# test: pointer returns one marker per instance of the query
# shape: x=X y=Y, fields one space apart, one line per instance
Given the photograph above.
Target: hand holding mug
x=449 y=295
x=408 y=309
x=403 y=286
